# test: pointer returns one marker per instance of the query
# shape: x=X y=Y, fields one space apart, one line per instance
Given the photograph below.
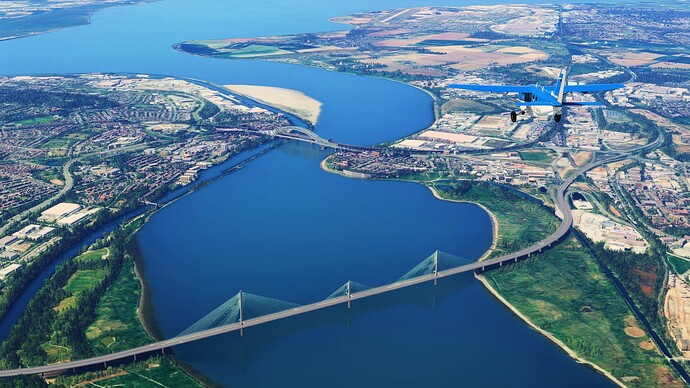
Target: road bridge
x=560 y=200
x=304 y=135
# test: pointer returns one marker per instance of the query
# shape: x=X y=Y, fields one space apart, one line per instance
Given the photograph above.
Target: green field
x=93 y=255
x=538 y=156
x=462 y=105
x=520 y=222
x=84 y=280
x=117 y=325
x=564 y=292
x=37 y=120
x=161 y=373
x=58 y=143
x=679 y=265
x=255 y=50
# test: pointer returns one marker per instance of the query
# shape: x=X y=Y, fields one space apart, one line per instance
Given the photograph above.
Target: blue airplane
x=544 y=101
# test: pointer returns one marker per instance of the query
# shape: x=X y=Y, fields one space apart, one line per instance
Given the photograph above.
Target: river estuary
x=283 y=228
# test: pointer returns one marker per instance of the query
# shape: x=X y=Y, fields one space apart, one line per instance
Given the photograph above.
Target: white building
x=58 y=211
x=5 y=272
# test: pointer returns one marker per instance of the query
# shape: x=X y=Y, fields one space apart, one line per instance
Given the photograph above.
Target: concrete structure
x=33 y=232
x=76 y=218
x=5 y=272
x=560 y=201
x=7 y=240
x=58 y=211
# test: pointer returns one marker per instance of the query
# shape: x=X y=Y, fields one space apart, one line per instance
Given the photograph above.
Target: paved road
x=560 y=201
x=69 y=183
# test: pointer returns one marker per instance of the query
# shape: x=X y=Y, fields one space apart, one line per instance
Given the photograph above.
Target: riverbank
x=494 y=222
x=545 y=333
x=511 y=307
x=584 y=349
x=288 y=100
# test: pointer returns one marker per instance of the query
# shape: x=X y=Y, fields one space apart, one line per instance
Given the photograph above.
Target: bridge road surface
x=560 y=201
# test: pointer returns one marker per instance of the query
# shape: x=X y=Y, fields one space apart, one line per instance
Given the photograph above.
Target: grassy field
x=36 y=120
x=84 y=280
x=117 y=325
x=80 y=281
x=538 y=156
x=678 y=264
x=93 y=255
x=255 y=50
x=162 y=373
x=520 y=222
x=564 y=292
x=461 y=105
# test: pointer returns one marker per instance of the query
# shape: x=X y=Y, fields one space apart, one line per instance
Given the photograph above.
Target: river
x=283 y=228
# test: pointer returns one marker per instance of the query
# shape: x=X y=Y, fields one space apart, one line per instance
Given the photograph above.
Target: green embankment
x=564 y=292
x=538 y=156
x=160 y=374
x=117 y=325
x=463 y=105
x=678 y=264
x=156 y=372
x=521 y=222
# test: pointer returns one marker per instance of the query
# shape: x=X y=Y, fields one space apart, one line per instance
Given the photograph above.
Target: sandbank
x=288 y=100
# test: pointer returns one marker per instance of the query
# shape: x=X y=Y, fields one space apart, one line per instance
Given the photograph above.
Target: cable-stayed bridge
x=230 y=316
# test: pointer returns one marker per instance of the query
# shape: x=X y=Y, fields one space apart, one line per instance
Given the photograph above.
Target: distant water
x=282 y=228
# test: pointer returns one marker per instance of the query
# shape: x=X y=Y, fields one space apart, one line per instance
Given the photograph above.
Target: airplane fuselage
x=544 y=101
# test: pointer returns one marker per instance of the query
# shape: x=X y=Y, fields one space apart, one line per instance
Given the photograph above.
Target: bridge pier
x=349 y=293
x=436 y=268
x=239 y=302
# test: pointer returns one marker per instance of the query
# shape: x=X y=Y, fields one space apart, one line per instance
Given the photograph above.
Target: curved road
x=559 y=199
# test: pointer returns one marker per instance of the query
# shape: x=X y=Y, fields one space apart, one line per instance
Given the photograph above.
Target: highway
x=560 y=200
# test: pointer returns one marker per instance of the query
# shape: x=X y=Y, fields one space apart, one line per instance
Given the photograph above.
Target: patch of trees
x=639 y=124
x=40 y=323
x=208 y=110
x=53 y=99
x=669 y=149
x=21 y=278
x=635 y=271
x=660 y=78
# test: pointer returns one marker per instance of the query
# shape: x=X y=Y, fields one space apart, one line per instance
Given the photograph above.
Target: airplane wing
x=591 y=88
x=494 y=88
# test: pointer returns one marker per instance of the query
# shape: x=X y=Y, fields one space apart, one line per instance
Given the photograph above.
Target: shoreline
x=494 y=221
x=276 y=97
x=495 y=230
x=546 y=334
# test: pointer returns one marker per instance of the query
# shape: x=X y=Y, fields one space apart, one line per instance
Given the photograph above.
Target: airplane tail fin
x=560 y=85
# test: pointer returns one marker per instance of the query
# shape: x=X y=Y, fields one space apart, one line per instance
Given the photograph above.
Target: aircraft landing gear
x=556 y=118
x=513 y=116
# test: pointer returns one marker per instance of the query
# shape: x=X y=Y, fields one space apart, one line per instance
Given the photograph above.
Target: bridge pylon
x=436 y=267
x=349 y=293
x=239 y=302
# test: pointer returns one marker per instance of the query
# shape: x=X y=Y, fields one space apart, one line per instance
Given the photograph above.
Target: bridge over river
x=303 y=135
x=229 y=317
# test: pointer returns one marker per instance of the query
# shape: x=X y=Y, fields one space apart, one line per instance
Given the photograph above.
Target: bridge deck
x=561 y=203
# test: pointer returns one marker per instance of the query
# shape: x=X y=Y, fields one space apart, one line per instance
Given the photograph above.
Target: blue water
x=281 y=227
